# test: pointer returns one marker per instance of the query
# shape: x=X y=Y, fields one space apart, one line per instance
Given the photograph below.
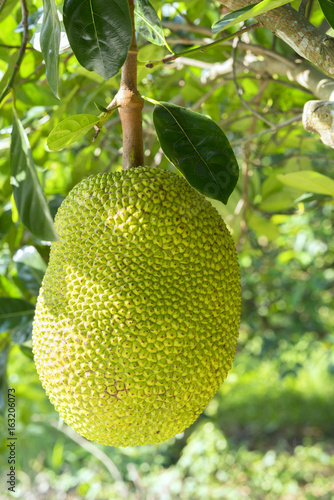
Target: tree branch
x=173 y=26
x=14 y=46
x=200 y=48
x=296 y=31
x=22 y=50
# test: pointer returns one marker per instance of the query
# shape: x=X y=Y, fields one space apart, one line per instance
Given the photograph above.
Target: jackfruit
x=137 y=318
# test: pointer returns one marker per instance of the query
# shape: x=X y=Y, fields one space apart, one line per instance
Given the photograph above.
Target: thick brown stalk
x=292 y=27
x=131 y=106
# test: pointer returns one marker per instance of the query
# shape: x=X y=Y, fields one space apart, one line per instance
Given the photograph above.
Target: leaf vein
x=190 y=142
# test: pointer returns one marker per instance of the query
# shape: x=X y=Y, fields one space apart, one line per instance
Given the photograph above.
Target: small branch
x=246 y=170
x=302 y=36
x=200 y=48
x=96 y=452
x=207 y=95
x=35 y=72
x=131 y=106
x=262 y=51
x=22 y=50
x=302 y=7
x=306 y=75
x=188 y=41
x=271 y=130
x=173 y=26
x=135 y=478
x=14 y=46
x=97 y=131
x=309 y=9
x=239 y=90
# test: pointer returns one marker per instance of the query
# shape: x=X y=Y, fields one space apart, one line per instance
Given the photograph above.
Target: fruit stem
x=131 y=106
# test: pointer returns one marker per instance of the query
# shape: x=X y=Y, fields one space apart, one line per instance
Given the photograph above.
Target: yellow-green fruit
x=137 y=319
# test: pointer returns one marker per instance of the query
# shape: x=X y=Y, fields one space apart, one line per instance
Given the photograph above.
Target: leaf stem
x=200 y=48
x=131 y=106
x=22 y=50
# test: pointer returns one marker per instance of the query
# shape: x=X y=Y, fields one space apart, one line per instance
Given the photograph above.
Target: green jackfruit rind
x=137 y=319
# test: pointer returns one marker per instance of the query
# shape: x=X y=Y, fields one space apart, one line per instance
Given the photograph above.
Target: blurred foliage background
x=268 y=433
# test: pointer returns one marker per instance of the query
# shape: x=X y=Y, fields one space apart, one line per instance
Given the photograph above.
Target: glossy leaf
x=70 y=130
x=198 y=148
x=100 y=33
x=148 y=23
x=36 y=38
x=50 y=42
x=327 y=7
x=237 y=16
x=29 y=198
x=308 y=180
x=14 y=313
x=30 y=268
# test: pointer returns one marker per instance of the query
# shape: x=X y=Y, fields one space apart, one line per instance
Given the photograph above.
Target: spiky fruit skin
x=137 y=319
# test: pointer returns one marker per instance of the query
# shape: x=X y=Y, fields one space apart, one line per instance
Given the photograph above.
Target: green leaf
x=308 y=180
x=198 y=148
x=29 y=198
x=36 y=38
x=5 y=221
x=8 y=8
x=27 y=351
x=30 y=268
x=101 y=108
x=50 y=42
x=100 y=33
x=70 y=130
x=237 y=16
x=14 y=313
x=148 y=23
x=22 y=333
x=10 y=67
x=327 y=7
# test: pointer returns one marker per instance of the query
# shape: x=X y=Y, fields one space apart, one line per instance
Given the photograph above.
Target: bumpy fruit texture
x=137 y=319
